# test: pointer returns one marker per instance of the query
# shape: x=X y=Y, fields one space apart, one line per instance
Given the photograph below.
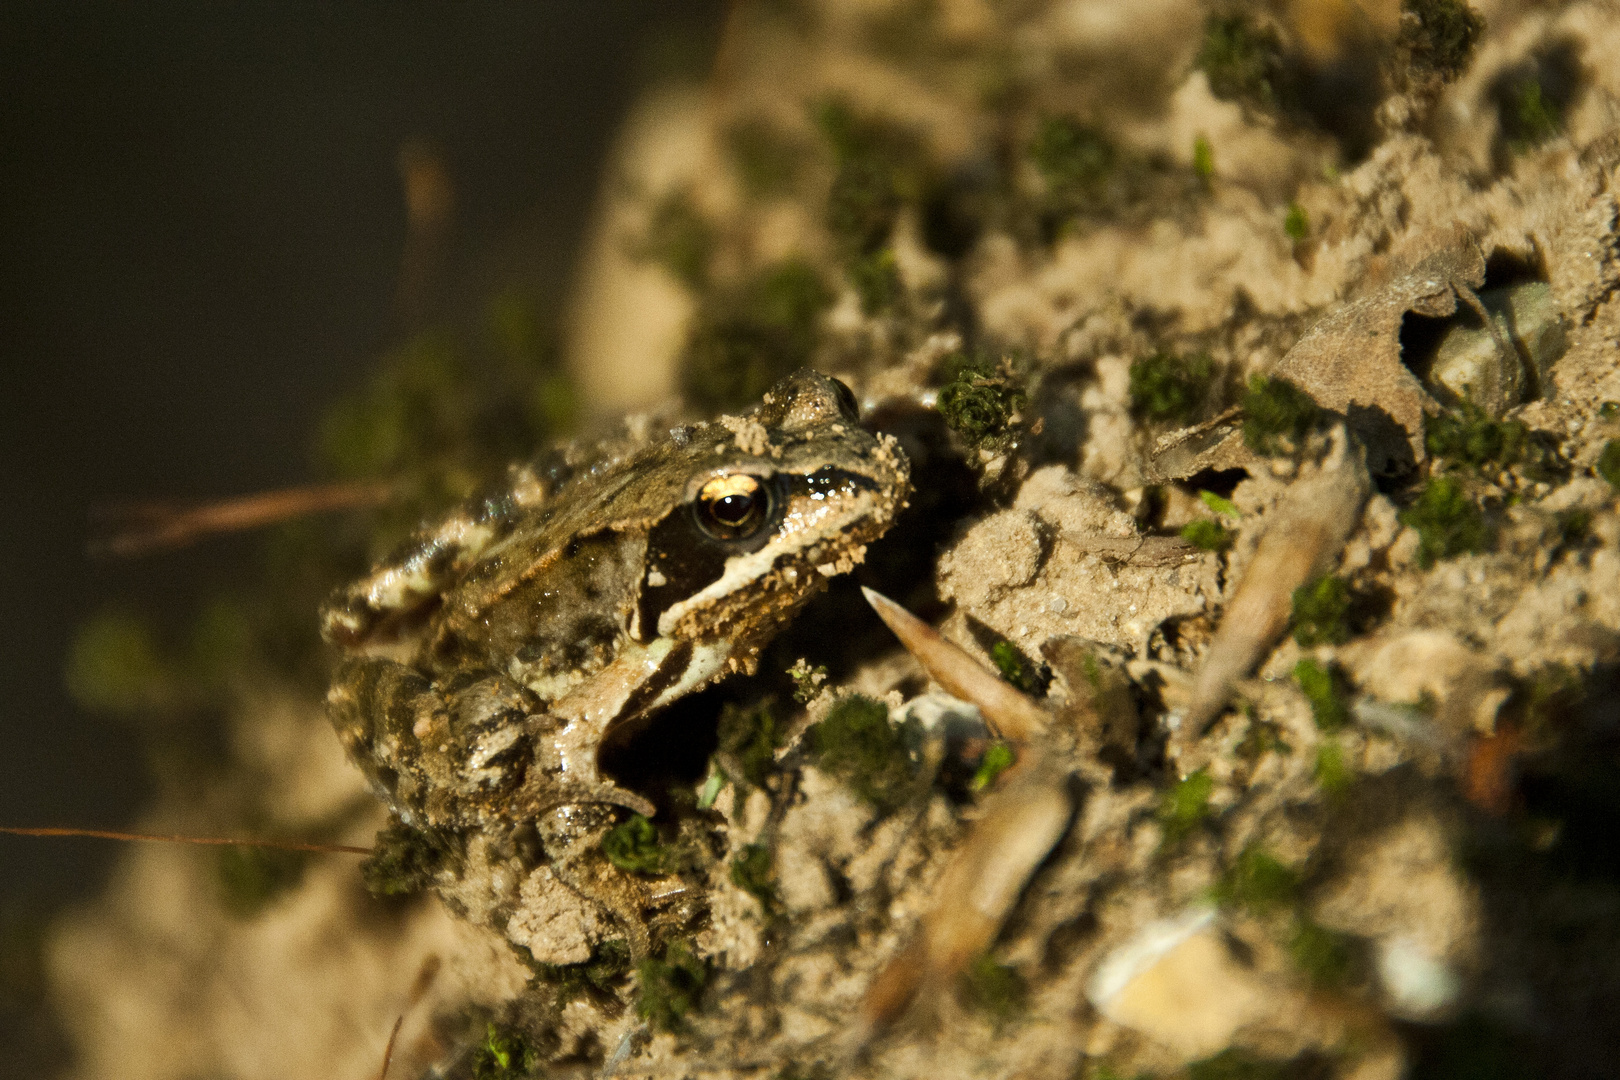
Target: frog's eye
x=733 y=507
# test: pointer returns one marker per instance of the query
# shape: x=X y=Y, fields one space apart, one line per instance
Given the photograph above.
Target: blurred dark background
x=201 y=237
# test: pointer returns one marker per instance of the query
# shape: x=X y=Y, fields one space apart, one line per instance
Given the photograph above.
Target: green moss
x=1243 y=61
x=1608 y=462
x=1574 y=526
x=1323 y=955
x=1440 y=37
x=744 y=341
x=997 y=759
x=857 y=743
x=679 y=239
x=978 y=402
x=403 y=860
x=1277 y=415
x=1322 y=612
x=1448 y=522
x=749 y=737
x=116 y=666
x=1296 y=223
x=1223 y=506
x=671 y=987
x=1203 y=160
x=880 y=167
x=1530 y=117
x=221 y=642
x=876 y=278
x=595 y=980
x=1166 y=387
x=1186 y=806
x=1609 y=410
x=751 y=872
x=1074 y=159
x=503 y=1055
x=807 y=680
x=1333 y=774
x=767 y=161
x=1328 y=692
x=1207 y=534
x=1235 y=1064
x=633 y=845
x=1258 y=883
x=1015 y=667
x=1470 y=437
x=252 y=878
x=995 y=989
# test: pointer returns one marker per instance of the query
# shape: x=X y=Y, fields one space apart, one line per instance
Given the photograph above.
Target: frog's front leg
x=460 y=751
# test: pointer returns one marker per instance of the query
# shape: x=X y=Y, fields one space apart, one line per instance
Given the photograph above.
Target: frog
x=485 y=663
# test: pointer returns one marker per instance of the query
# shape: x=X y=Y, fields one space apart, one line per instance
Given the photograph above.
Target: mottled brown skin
x=489 y=658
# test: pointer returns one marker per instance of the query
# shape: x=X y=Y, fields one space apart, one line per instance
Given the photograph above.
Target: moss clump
x=748 y=741
x=1016 y=668
x=807 y=680
x=1219 y=504
x=1203 y=160
x=1166 y=387
x=1327 y=690
x=503 y=1055
x=998 y=758
x=1243 y=62
x=679 y=239
x=251 y=878
x=1074 y=159
x=857 y=744
x=671 y=987
x=880 y=169
x=1277 y=415
x=1322 y=612
x=1529 y=116
x=1469 y=437
x=1323 y=955
x=403 y=860
x=1333 y=774
x=995 y=989
x=1440 y=36
x=746 y=340
x=1186 y=806
x=1235 y=1064
x=116 y=666
x=751 y=872
x=1206 y=534
x=978 y=402
x=767 y=161
x=1573 y=526
x=633 y=845
x=876 y=278
x=1608 y=462
x=595 y=980
x=1258 y=883
x=1296 y=223
x=1448 y=522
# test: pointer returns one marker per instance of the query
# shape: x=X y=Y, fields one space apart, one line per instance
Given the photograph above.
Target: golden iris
x=733 y=507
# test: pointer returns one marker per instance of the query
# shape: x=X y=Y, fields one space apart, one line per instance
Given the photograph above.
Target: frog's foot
x=601 y=793
x=1024 y=817
x=572 y=835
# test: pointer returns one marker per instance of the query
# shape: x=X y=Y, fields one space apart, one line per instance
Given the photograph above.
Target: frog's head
x=773 y=503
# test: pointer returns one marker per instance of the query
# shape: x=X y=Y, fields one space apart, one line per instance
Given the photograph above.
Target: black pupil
x=732 y=509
